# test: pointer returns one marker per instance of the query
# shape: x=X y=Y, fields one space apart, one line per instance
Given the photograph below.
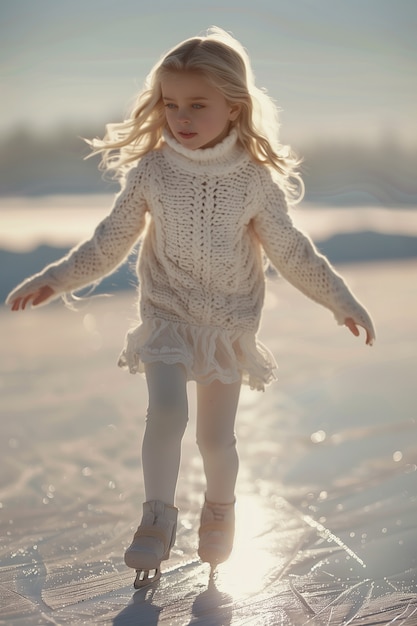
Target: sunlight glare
x=252 y=558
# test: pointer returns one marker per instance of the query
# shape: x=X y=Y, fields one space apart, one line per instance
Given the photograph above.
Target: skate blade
x=143 y=579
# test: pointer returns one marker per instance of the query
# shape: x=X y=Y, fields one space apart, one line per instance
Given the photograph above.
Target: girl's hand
x=353 y=327
x=36 y=297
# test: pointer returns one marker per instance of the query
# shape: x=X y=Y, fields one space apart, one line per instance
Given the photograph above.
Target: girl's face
x=198 y=115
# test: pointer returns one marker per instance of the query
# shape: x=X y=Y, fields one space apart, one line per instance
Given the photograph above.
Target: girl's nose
x=183 y=116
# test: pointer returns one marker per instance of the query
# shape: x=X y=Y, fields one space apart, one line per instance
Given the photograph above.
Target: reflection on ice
x=252 y=558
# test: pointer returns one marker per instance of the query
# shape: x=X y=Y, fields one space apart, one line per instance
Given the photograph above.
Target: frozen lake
x=327 y=490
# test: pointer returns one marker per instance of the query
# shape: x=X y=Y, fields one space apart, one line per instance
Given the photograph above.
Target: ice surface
x=327 y=490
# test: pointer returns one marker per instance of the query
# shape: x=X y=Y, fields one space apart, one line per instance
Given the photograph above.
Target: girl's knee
x=168 y=420
x=215 y=444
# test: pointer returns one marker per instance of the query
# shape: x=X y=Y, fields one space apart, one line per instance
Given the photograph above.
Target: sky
x=336 y=68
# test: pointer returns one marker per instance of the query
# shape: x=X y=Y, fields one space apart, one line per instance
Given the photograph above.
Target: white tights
x=166 y=422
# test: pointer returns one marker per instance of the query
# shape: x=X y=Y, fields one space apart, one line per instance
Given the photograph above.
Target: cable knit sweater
x=206 y=217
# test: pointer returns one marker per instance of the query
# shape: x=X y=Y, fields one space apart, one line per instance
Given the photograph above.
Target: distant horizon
x=334 y=171
x=89 y=128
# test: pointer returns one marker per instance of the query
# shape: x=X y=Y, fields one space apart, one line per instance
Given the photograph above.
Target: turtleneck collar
x=225 y=154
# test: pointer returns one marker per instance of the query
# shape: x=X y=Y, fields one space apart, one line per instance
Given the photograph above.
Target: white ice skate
x=152 y=542
x=216 y=533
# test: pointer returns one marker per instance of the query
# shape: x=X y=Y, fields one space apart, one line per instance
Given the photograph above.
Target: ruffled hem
x=207 y=353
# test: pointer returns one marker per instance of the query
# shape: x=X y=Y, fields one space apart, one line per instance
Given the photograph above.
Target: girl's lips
x=185 y=135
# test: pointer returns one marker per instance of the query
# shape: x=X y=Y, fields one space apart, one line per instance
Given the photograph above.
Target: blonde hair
x=223 y=62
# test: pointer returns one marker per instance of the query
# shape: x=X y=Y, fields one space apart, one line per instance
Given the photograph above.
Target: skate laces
x=218 y=515
x=219 y=512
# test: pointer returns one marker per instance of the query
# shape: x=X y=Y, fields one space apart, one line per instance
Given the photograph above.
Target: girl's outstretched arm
x=298 y=261
x=94 y=259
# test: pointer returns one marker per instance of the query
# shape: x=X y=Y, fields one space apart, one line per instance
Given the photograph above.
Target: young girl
x=207 y=186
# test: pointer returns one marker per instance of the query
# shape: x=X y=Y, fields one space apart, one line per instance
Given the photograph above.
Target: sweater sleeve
x=104 y=252
x=296 y=258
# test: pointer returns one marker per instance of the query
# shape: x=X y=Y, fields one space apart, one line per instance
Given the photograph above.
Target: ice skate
x=152 y=542
x=216 y=533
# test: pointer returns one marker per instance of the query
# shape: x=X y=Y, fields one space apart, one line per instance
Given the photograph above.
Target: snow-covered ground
x=327 y=490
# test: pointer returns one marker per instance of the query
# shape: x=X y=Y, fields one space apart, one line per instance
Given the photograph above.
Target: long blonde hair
x=223 y=62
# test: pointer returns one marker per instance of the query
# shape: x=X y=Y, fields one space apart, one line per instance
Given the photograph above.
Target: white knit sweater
x=211 y=214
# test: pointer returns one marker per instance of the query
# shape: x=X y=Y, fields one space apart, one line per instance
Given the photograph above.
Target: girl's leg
x=165 y=426
x=216 y=413
x=161 y=451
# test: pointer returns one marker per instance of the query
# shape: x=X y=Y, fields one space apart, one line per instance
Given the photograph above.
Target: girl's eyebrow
x=192 y=98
